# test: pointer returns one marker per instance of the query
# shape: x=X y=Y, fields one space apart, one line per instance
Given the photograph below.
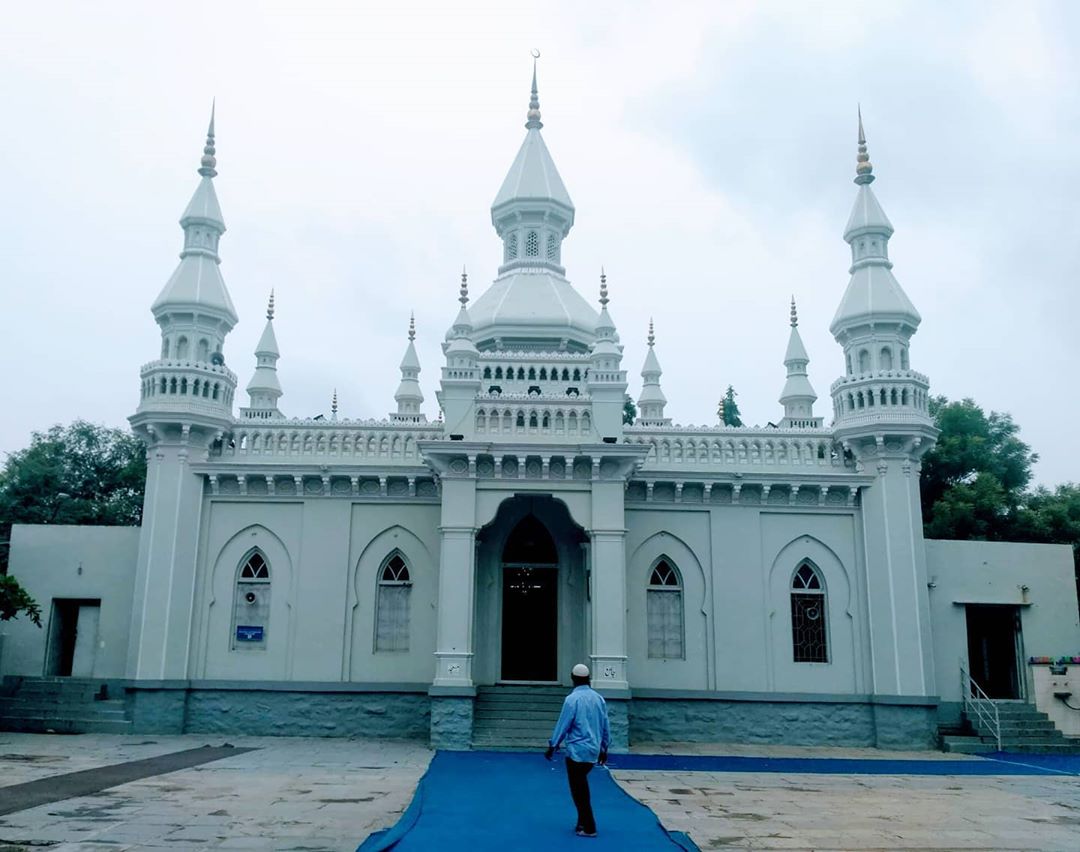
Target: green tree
x=974 y=480
x=629 y=411
x=77 y=474
x=1052 y=517
x=728 y=411
x=14 y=600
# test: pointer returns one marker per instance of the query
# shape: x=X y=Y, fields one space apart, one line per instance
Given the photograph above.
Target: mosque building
x=439 y=578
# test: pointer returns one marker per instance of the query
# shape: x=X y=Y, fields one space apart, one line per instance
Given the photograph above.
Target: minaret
x=186 y=407
x=264 y=389
x=652 y=400
x=798 y=395
x=532 y=212
x=875 y=320
x=409 y=397
x=607 y=380
x=461 y=376
x=883 y=422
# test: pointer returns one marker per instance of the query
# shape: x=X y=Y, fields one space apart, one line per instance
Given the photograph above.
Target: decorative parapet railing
x=882 y=376
x=349 y=442
x=739 y=448
x=531 y=416
x=174 y=384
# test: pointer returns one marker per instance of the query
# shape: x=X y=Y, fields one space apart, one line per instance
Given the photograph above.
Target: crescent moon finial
x=535 y=53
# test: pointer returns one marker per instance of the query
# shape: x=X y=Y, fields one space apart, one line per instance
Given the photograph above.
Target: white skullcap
x=580 y=670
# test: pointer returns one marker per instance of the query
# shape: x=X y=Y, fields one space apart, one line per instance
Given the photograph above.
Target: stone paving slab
x=847 y=812
x=329 y=794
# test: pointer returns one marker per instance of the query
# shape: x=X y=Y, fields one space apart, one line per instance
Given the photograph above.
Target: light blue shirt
x=583 y=724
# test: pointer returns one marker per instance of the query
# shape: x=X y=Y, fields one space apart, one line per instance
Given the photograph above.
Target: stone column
x=168 y=551
x=896 y=593
x=608 y=656
x=452 y=691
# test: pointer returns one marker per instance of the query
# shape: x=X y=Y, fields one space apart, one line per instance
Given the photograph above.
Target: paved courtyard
x=329 y=794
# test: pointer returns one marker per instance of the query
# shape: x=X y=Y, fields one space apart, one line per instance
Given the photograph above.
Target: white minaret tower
x=461 y=375
x=264 y=389
x=798 y=395
x=652 y=400
x=882 y=420
x=409 y=397
x=607 y=379
x=186 y=406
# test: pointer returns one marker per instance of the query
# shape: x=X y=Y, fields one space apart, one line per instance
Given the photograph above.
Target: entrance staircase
x=516 y=717
x=1023 y=729
x=61 y=705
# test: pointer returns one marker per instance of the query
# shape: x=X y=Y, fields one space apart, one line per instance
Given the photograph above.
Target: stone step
x=966 y=745
x=64 y=713
x=511 y=717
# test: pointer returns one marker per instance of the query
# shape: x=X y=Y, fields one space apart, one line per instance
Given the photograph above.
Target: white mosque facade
x=369 y=576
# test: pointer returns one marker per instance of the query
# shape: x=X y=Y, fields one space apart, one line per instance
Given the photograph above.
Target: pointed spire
x=270 y=306
x=409 y=397
x=603 y=289
x=652 y=400
x=864 y=170
x=208 y=164
x=798 y=395
x=333 y=406
x=533 y=116
x=463 y=293
x=264 y=389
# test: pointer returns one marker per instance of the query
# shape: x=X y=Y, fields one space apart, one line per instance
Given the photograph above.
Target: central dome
x=532 y=310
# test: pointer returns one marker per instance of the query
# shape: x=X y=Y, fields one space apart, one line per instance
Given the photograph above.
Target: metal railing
x=978 y=705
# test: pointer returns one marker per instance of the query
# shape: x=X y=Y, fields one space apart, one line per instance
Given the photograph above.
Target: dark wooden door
x=992 y=635
x=530 y=623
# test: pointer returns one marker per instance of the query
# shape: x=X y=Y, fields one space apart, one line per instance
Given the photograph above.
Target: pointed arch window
x=809 y=610
x=251 y=605
x=664 y=612
x=392 y=605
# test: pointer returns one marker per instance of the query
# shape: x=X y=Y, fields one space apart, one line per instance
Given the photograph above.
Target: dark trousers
x=577 y=774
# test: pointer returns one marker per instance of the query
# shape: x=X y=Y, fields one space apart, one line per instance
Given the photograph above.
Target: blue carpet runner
x=486 y=801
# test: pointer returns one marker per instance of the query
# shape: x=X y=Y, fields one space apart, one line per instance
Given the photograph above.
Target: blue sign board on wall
x=246 y=633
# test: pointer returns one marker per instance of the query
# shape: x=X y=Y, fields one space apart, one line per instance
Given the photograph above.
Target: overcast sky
x=709 y=149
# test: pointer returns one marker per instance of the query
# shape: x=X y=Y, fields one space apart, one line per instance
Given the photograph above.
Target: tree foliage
x=728 y=411
x=975 y=483
x=15 y=600
x=629 y=411
x=77 y=474
x=974 y=480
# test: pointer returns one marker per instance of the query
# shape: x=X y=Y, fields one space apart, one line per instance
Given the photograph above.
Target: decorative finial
x=652 y=337
x=333 y=405
x=464 y=292
x=533 y=114
x=270 y=306
x=603 y=289
x=794 y=314
x=208 y=164
x=864 y=170
x=412 y=326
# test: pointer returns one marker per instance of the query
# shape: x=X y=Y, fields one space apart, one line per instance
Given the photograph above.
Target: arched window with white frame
x=251 y=606
x=809 y=611
x=664 y=612
x=392 y=605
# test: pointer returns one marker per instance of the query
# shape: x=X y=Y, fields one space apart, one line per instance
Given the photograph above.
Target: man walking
x=583 y=724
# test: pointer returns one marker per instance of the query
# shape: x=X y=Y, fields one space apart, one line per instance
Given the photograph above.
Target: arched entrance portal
x=531 y=602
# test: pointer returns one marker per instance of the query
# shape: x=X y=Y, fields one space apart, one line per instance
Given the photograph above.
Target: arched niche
x=363 y=663
x=839 y=674
x=220 y=658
